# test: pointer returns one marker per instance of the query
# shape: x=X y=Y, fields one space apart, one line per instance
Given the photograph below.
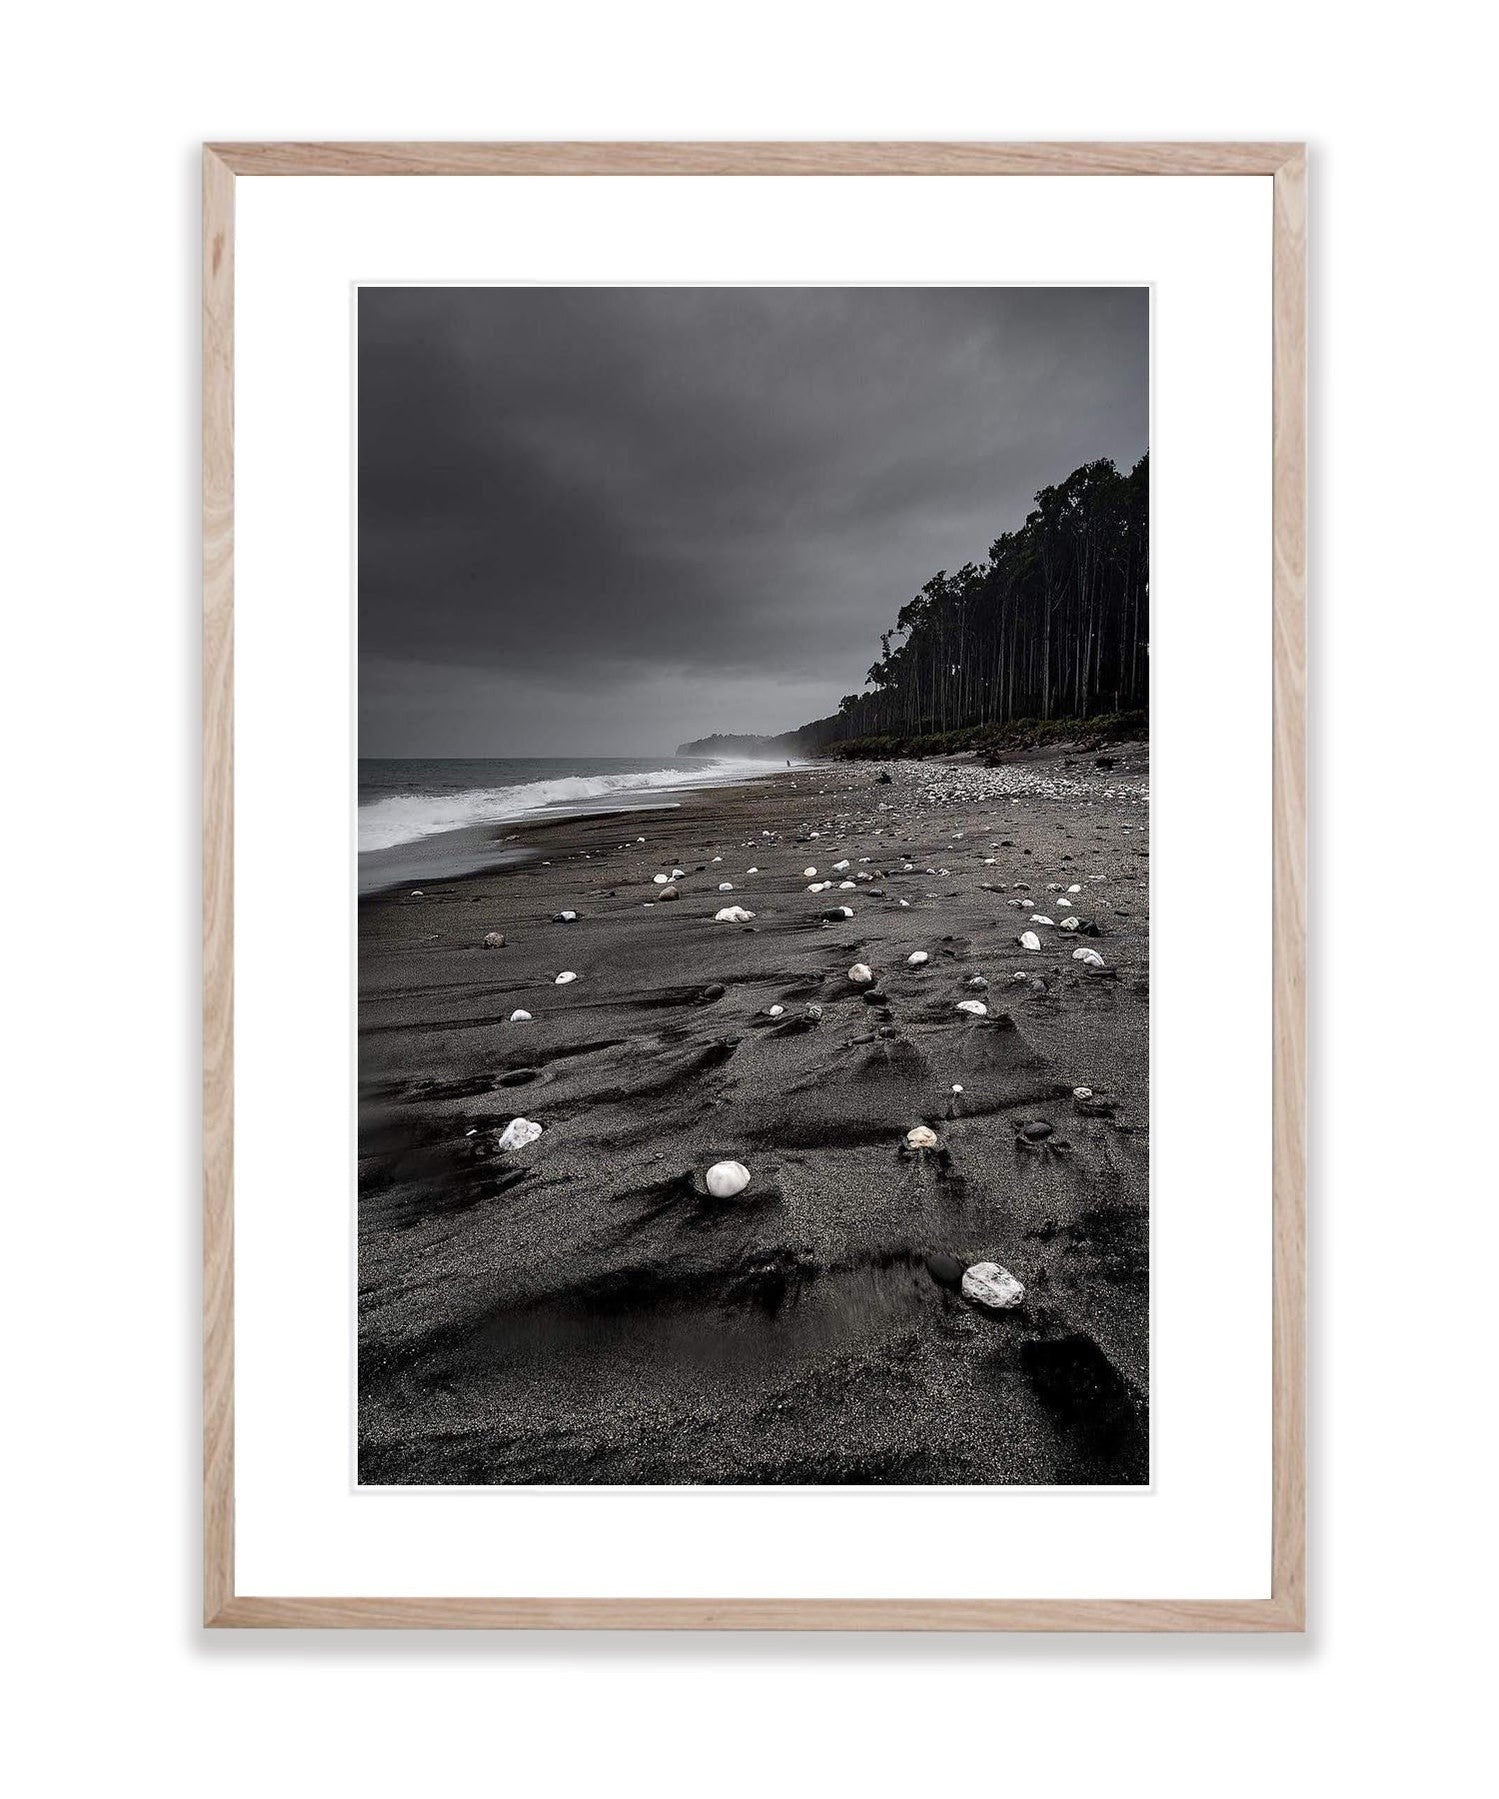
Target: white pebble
x=1090 y=956
x=861 y=974
x=917 y=957
x=808 y=873
x=775 y=1011
x=732 y=915
x=1029 y=940
x=725 y=886
x=563 y=978
x=518 y=1133
x=725 y=1179
x=975 y=1008
x=987 y=1284
x=519 y=1017
x=1082 y=1093
x=922 y=1137
x=660 y=880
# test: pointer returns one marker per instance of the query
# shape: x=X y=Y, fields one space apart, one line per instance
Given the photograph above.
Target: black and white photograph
x=753 y=886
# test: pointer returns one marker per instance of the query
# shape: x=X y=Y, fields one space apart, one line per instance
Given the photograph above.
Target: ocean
x=427 y=819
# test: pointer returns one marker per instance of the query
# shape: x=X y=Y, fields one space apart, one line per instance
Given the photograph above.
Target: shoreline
x=477 y=848
x=578 y=1309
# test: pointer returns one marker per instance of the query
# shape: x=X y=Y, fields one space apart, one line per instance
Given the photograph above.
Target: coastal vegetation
x=1049 y=635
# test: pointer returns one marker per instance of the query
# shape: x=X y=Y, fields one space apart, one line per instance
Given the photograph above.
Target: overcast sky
x=601 y=521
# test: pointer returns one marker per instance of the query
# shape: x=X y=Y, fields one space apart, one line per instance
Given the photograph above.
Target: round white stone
x=725 y=1179
x=975 y=1008
x=917 y=957
x=519 y=1017
x=922 y=1137
x=861 y=974
x=563 y=978
x=1029 y=940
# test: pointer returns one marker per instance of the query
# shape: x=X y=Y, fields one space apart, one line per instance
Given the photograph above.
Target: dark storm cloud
x=603 y=520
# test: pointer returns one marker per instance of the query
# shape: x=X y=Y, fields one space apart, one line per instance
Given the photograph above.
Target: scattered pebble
x=1029 y=940
x=917 y=957
x=732 y=915
x=861 y=974
x=564 y=917
x=563 y=978
x=987 y=1284
x=518 y=1133
x=975 y=1008
x=1090 y=956
x=495 y=940
x=921 y=1137
x=725 y=1179
x=519 y=1017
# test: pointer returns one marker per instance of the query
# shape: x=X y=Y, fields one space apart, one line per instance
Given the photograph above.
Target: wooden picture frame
x=1284 y=1610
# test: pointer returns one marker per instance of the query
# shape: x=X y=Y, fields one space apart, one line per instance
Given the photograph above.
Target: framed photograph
x=754 y=812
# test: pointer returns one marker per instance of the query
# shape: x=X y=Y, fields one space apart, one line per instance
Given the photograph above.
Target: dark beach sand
x=580 y=1311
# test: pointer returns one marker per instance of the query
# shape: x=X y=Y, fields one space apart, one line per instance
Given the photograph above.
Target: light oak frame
x=1285 y=164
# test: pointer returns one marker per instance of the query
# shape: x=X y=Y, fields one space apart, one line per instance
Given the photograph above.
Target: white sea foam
x=407 y=817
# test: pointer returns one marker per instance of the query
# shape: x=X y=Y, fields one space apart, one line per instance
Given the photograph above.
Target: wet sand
x=580 y=1310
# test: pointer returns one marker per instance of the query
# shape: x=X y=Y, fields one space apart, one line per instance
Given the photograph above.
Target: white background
x=1202 y=1531
x=103 y=109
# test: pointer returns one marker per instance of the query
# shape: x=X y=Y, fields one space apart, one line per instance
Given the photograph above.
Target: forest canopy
x=1053 y=624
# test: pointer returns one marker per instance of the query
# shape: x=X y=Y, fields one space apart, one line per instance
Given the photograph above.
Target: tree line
x=1054 y=623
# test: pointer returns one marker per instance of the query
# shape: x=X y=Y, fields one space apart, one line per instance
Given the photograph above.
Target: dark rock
x=1036 y=1131
x=945 y=1270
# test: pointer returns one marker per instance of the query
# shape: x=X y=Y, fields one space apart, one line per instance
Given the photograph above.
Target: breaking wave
x=408 y=817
